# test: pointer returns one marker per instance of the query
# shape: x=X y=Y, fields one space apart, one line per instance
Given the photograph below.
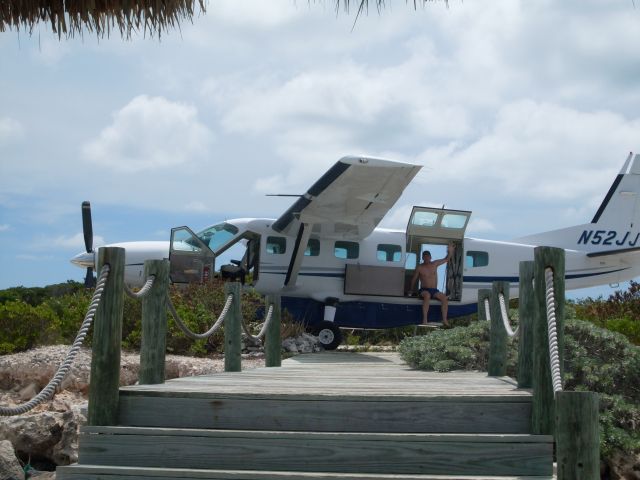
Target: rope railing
x=63 y=370
x=199 y=336
x=554 y=356
x=258 y=338
x=505 y=317
x=487 y=310
x=146 y=288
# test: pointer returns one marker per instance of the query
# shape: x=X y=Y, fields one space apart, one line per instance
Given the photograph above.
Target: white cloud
x=73 y=242
x=252 y=13
x=5 y=227
x=534 y=148
x=150 y=133
x=51 y=51
x=10 y=130
x=479 y=225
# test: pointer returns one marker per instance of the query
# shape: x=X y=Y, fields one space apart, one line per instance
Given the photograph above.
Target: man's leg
x=426 y=297
x=444 y=308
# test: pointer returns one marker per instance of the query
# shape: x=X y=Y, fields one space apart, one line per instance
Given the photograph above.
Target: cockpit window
x=218 y=235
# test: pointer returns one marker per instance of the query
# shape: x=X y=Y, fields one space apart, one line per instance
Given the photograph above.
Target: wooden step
x=97 y=472
x=441 y=414
x=362 y=453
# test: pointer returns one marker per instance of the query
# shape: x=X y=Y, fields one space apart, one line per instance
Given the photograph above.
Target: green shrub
x=465 y=348
x=627 y=327
x=619 y=313
x=25 y=326
x=601 y=361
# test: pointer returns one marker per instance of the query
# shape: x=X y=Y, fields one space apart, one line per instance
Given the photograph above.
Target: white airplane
x=334 y=268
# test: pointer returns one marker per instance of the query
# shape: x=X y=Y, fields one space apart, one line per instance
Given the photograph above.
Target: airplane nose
x=84 y=260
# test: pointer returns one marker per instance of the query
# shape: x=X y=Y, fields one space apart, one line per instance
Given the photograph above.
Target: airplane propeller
x=87 y=230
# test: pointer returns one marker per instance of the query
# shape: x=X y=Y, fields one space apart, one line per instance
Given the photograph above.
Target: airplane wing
x=347 y=203
x=350 y=199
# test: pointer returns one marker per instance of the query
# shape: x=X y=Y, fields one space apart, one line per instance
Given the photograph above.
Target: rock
x=624 y=466
x=304 y=343
x=34 y=434
x=290 y=345
x=50 y=431
x=9 y=464
x=28 y=392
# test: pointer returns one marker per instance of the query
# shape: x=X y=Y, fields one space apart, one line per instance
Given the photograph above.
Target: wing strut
x=304 y=232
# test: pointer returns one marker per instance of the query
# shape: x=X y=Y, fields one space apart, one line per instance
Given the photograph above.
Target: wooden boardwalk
x=327 y=415
x=379 y=375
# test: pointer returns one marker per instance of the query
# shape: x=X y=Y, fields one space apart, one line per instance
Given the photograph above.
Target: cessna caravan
x=334 y=268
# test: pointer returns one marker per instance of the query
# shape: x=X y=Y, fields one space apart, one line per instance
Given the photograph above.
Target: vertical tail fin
x=616 y=224
x=619 y=207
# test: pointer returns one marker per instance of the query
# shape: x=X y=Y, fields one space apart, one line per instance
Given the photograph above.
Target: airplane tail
x=614 y=227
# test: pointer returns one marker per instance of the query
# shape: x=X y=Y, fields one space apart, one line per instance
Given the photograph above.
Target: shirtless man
x=427 y=271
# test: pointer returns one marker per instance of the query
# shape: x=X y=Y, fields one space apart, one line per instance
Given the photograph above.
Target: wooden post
x=482 y=294
x=577 y=435
x=154 y=324
x=499 y=338
x=526 y=312
x=104 y=389
x=233 y=330
x=272 y=340
x=542 y=414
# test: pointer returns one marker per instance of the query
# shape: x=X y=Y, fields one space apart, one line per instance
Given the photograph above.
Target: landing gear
x=329 y=335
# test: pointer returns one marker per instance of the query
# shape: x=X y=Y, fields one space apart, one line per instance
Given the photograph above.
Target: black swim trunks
x=432 y=291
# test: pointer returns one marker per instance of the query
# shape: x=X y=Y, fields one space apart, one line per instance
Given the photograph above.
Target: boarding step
x=97 y=472
x=358 y=453
x=402 y=414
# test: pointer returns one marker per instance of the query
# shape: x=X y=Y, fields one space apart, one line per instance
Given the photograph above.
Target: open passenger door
x=190 y=259
x=438 y=226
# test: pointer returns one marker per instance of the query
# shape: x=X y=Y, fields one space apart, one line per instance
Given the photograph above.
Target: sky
x=520 y=111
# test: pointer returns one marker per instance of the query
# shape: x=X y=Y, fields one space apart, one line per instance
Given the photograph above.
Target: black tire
x=329 y=335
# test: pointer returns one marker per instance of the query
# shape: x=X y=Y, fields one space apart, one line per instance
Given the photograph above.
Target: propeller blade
x=87 y=227
x=89 y=279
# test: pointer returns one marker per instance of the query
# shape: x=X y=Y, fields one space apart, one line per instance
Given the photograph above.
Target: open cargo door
x=438 y=226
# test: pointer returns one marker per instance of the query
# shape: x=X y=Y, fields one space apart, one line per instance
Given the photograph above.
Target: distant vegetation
x=30 y=317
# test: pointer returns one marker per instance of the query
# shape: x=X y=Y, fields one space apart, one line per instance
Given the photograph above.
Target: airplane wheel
x=329 y=335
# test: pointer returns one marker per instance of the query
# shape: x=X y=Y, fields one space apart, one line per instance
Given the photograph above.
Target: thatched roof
x=152 y=17
x=69 y=17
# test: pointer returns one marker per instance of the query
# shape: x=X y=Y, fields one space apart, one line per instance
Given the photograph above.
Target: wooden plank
x=272 y=337
x=107 y=339
x=578 y=435
x=100 y=472
x=154 y=323
x=330 y=415
x=233 y=330
x=497 y=366
x=526 y=314
x=543 y=416
x=347 y=452
x=333 y=374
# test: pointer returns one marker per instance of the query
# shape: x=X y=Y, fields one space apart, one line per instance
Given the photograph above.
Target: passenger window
x=313 y=248
x=348 y=250
x=476 y=259
x=389 y=253
x=276 y=245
